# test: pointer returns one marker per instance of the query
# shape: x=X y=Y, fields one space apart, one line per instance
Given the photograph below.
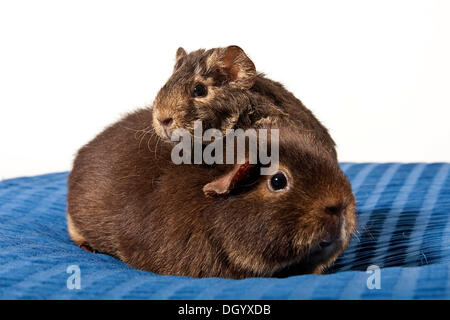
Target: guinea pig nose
x=335 y=210
x=166 y=122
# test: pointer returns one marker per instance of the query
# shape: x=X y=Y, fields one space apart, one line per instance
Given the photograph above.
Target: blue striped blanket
x=404 y=230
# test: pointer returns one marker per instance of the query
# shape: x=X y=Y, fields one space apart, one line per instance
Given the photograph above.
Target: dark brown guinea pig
x=222 y=88
x=126 y=198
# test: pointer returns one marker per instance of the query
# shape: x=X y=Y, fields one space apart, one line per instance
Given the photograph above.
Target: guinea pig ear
x=237 y=67
x=225 y=183
x=180 y=54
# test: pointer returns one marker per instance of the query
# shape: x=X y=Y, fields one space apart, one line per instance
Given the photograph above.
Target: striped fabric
x=404 y=228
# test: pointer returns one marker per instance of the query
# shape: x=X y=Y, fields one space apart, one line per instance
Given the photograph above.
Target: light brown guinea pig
x=222 y=88
x=126 y=198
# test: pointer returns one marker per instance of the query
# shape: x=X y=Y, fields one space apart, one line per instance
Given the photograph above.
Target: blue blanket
x=404 y=229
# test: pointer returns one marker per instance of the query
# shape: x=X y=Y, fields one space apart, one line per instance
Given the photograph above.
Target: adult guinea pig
x=222 y=88
x=126 y=198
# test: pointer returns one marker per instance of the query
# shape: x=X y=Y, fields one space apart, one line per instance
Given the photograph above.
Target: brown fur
x=238 y=97
x=127 y=199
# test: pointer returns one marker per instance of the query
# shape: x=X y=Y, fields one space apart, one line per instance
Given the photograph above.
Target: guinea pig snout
x=335 y=209
x=338 y=215
x=165 y=122
x=325 y=247
x=336 y=235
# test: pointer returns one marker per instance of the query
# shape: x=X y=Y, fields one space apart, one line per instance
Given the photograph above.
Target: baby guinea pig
x=222 y=88
x=126 y=198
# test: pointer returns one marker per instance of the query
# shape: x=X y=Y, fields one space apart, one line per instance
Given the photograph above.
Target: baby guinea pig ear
x=180 y=54
x=236 y=67
x=226 y=182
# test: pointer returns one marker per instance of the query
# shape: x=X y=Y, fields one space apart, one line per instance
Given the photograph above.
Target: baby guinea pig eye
x=199 y=90
x=278 y=182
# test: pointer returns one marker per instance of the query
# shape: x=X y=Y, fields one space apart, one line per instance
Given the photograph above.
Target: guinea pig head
x=298 y=219
x=206 y=85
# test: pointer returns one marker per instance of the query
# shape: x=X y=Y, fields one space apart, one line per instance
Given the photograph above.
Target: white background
x=377 y=73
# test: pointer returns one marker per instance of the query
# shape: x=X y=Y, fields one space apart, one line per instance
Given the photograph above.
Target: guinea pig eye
x=199 y=90
x=278 y=182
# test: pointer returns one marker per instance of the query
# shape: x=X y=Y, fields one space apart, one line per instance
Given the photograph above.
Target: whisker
x=143 y=136
x=368 y=232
